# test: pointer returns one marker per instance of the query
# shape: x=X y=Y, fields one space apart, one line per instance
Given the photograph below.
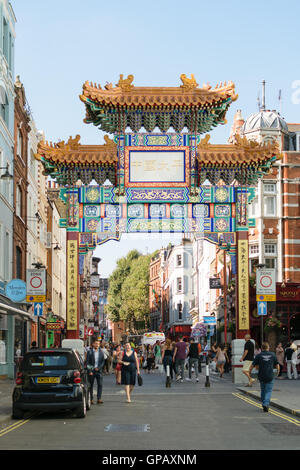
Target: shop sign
x=215 y=283
x=53 y=326
x=16 y=290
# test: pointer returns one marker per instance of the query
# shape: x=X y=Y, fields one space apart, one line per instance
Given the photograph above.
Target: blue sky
x=62 y=43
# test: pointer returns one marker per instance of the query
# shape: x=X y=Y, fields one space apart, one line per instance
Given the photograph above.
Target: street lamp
x=225 y=249
x=6 y=175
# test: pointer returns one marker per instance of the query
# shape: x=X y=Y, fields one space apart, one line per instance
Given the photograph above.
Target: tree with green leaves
x=128 y=294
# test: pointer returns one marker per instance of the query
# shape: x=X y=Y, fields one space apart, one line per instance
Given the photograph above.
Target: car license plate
x=48 y=380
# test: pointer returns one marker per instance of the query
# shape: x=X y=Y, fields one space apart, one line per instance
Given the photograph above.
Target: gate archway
x=157 y=179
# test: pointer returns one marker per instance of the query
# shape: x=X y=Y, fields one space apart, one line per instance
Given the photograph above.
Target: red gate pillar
x=73 y=286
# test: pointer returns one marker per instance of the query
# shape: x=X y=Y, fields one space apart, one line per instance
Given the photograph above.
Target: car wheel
x=81 y=410
x=17 y=414
x=88 y=401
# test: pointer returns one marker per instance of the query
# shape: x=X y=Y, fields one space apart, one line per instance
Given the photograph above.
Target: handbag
x=140 y=380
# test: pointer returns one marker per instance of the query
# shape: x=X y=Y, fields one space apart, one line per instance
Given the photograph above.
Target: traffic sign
x=266 y=298
x=262 y=308
x=266 y=282
x=35 y=298
x=38 y=309
x=36 y=282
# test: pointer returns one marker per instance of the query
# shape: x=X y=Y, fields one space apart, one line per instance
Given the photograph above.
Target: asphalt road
x=188 y=416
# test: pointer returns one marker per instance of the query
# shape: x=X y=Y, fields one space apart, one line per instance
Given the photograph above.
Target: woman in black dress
x=130 y=366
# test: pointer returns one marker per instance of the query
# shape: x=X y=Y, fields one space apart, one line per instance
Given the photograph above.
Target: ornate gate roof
x=113 y=109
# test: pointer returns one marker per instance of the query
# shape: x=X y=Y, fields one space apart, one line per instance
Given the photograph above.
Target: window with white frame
x=179 y=260
x=179 y=285
x=269 y=188
x=270 y=263
x=254 y=250
x=270 y=249
x=269 y=206
x=18 y=201
x=253 y=208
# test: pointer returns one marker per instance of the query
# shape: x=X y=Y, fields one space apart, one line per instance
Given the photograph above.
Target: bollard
x=207 y=383
x=200 y=365
x=168 y=379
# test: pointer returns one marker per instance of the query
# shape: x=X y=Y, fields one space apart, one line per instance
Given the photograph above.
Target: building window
x=179 y=260
x=254 y=249
x=179 y=284
x=18 y=263
x=269 y=206
x=4 y=108
x=179 y=308
x=20 y=144
x=269 y=188
x=270 y=263
x=253 y=208
x=270 y=249
x=18 y=201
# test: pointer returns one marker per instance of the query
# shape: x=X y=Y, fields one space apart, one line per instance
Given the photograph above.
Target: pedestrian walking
x=157 y=354
x=95 y=362
x=117 y=366
x=179 y=356
x=212 y=355
x=193 y=356
x=167 y=356
x=265 y=362
x=130 y=367
x=257 y=349
x=227 y=366
x=247 y=358
x=280 y=357
x=106 y=357
x=289 y=351
x=150 y=358
x=221 y=358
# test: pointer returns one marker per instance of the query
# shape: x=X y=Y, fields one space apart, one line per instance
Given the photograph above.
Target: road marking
x=273 y=412
x=15 y=426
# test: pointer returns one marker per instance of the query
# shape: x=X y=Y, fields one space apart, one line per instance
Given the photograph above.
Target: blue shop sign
x=16 y=290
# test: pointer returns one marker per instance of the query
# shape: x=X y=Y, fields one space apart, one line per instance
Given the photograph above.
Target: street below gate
x=187 y=416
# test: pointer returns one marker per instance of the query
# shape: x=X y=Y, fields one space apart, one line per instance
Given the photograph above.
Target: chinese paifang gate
x=156 y=179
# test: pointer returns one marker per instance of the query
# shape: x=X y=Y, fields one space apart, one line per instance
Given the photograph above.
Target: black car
x=51 y=379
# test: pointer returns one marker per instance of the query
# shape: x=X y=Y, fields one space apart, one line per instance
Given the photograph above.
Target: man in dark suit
x=95 y=362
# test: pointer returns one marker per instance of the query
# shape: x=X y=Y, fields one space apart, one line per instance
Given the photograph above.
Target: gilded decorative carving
x=125 y=84
x=188 y=84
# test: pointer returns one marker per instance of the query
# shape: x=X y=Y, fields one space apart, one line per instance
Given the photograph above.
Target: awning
x=12 y=307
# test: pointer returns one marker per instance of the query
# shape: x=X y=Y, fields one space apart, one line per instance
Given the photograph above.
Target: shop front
x=286 y=310
x=15 y=335
x=176 y=331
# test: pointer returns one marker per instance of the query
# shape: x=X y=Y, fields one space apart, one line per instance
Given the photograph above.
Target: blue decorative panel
x=135 y=210
x=113 y=210
x=222 y=210
x=92 y=211
x=200 y=210
x=178 y=211
x=157 y=210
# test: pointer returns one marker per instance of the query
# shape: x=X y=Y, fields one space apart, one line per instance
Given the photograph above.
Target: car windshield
x=53 y=360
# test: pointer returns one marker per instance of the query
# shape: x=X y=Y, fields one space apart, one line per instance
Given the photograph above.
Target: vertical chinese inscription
x=243 y=289
x=72 y=261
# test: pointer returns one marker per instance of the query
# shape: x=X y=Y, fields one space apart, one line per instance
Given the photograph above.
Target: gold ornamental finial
x=125 y=83
x=188 y=83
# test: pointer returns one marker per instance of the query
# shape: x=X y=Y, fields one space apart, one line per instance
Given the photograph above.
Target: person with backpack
x=265 y=362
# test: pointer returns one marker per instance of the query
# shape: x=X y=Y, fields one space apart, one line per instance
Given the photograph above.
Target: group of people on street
x=125 y=363
x=179 y=356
